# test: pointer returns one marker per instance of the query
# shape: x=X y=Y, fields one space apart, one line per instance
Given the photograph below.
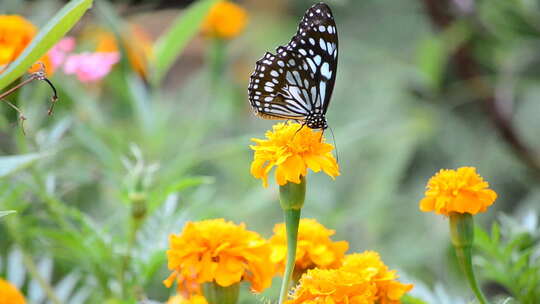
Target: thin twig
x=39 y=75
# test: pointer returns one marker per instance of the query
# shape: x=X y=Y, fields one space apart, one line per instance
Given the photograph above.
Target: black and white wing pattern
x=297 y=82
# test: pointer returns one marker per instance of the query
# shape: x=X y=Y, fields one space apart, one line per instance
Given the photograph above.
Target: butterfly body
x=297 y=82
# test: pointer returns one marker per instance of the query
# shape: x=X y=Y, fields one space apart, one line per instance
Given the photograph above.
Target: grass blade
x=171 y=44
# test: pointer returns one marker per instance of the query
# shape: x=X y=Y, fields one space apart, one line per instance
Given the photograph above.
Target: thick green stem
x=292 y=221
x=138 y=213
x=291 y=199
x=216 y=294
x=462 y=233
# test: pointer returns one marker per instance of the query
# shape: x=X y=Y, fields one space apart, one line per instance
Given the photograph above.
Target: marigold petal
x=9 y=294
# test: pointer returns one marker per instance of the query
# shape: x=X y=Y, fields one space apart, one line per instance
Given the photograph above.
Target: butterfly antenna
x=335 y=144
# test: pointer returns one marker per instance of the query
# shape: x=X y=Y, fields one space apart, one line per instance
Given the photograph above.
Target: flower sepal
x=461 y=229
x=292 y=195
x=217 y=294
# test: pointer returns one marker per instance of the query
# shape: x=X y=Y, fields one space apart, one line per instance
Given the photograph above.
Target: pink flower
x=90 y=67
x=59 y=52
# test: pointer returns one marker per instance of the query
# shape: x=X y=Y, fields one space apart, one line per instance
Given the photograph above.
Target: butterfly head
x=316 y=121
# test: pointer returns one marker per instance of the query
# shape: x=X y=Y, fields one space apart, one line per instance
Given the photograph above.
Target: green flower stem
x=138 y=213
x=462 y=234
x=292 y=198
x=217 y=60
x=292 y=220
x=216 y=294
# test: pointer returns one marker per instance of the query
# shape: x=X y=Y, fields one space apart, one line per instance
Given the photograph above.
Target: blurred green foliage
x=100 y=185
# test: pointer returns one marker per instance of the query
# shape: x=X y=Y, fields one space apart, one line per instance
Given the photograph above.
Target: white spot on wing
x=325 y=70
x=322 y=44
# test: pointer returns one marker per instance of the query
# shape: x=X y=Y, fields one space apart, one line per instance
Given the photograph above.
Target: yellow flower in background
x=178 y=299
x=362 y=279
x=461 y=191
x=369 y=263
x=219 y=251
x=292 y=150
x=225 y=20
x=315 y=248
x=16 y=33
x=9 y=294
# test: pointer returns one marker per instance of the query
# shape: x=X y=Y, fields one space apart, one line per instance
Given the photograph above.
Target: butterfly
x=297 y=82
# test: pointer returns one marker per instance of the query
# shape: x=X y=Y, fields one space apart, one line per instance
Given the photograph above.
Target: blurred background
x=421 y=85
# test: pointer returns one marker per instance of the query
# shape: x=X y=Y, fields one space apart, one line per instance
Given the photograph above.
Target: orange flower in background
x=220 y=251
x=136 y=42
x=314 y=248
x=225 y=20
x=292 y=150
x=461 y=191
x=178 y=299
x=16 y=33
x=369 y=263
x=362 y=279
x=9 y=294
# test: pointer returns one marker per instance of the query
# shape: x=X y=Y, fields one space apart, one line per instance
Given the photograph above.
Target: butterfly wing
x=317 y=41
x=299 y=79
x=270 y=93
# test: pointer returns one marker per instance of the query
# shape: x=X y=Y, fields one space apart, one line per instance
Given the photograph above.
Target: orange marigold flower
x=16 y=33
x=195 y=299
x=9 y=294
x=314 y=248
x=461 y=191
x=225 y=20
x=369 y=263
x=362 y=279
x=323 y=286
x=292 y=149
x=220 y=251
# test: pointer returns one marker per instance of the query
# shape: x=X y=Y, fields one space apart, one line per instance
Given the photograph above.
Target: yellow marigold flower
x=362 y=279
x=370 y=265
x=195 y=299
x=225 y=20
x=220 y=251
x=314 y=248
x=461 y=191
x=292 y=150
x=15 y=34
x=9 y=294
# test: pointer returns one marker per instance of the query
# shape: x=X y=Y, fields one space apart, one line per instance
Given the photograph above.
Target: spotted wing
x=317 y=43
x=299 y=79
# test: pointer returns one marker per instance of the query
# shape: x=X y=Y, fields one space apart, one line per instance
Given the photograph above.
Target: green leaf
x=47 y=37
x=407 y=299
x=4 y=213
x=11 y=164
x=171 y=44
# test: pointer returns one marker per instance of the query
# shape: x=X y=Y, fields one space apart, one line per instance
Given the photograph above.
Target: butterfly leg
x=302 y=126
